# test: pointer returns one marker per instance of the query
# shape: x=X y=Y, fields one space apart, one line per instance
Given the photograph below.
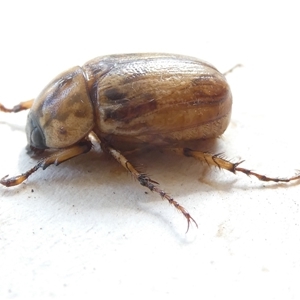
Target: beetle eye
x=35 y=136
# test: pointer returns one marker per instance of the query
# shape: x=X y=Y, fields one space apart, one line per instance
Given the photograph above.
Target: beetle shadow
x=175 y=173
x=97 y=179
x=13 y=126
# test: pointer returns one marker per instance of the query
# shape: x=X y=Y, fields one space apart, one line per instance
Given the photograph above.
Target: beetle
x=129 y=102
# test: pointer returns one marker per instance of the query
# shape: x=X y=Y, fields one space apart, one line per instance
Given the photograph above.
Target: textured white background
x=88 y=230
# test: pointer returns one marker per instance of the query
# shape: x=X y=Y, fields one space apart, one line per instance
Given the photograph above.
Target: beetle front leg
x=56 y=159
x=146 y=181
x=217 y=161
x=19 y=107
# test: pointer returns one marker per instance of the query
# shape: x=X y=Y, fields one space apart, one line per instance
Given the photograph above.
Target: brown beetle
x=129 y=102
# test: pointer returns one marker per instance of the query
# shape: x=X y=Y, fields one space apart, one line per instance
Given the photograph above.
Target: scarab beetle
x=129 y=102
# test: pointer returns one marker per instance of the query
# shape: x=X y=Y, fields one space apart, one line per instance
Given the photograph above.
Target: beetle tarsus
x=216 y=160
x=3 y=180
x=17 y=108
x=266 y=178
x=144 y=180
x=16 y=180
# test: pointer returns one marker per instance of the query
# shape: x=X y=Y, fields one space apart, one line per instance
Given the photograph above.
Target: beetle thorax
x=63 y=112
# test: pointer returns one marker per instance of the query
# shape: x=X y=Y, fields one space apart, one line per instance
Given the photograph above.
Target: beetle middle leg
x=217 y=161
x=56 y=159
x=146 y=181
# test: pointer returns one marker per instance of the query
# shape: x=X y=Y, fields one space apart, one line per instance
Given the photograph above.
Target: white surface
x=88 y=230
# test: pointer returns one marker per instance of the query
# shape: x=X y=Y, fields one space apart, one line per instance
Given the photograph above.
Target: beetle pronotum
x=129 y=102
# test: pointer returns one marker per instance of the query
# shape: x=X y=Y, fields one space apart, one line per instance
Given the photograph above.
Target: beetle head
x=62 y=114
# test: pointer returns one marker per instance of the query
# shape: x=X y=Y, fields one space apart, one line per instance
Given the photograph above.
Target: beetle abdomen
x=158 y=98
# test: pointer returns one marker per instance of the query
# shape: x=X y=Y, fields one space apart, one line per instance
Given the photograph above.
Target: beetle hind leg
x=146 y=181
x=222 y=163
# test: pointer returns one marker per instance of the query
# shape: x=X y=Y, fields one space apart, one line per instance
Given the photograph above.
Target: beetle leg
x=146 y=181
x=232 y=69
x=19 y=107
x=217 y=161
x=56 y=159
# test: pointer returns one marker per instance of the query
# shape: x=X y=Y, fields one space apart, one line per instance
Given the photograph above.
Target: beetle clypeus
x=130 y=102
